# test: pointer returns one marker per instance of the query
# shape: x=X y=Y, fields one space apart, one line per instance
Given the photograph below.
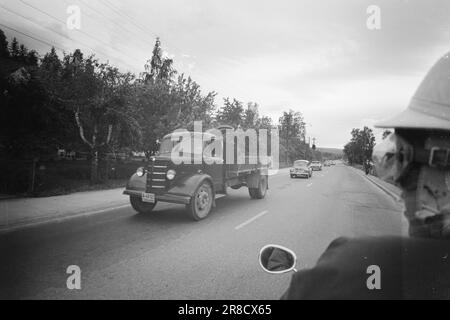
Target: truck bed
x=235 y=170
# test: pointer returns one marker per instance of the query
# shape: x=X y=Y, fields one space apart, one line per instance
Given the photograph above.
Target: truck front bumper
x=166 y=197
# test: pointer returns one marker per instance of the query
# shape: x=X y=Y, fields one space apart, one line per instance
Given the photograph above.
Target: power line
x=123 y=26
x=32 y=37
x=63 y=35
x=131 y=20
x=63 y=22
x=115 y=23
x=122 y=14
x=118 y=12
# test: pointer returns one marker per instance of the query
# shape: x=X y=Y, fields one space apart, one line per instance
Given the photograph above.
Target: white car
x=301 y=168
x=316 y=166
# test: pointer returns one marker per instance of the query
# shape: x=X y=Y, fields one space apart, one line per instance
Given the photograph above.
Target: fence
x=60 y=176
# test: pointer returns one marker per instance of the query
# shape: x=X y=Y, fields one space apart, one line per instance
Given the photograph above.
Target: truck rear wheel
x=260 y=192
x=141 y=206
x=201 y=202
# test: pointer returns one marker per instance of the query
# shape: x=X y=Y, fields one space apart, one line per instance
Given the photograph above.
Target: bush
x=59 y=176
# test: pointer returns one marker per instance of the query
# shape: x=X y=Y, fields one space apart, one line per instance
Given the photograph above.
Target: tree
x=265 y=123
x=232 y=113
x=166 y=102
x=360 y=147
x=23 y=53
x=32 y=58
x=51 y=66
x=251 y=116
x=158 y=68
x=165 y=107
x=14 y=48
x=292 y=133
x=4 y=52
x=98 y=95
x=192 y=105
x=33 y=124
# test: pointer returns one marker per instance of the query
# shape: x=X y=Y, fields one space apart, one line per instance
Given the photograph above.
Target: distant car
x=301 y=168
x=326 y=163
x=316 y=166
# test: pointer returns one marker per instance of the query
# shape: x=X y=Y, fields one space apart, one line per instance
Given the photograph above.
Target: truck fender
x=137 y=183
x=189 y=185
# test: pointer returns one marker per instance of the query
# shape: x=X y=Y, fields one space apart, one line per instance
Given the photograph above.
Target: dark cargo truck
x=196 y=185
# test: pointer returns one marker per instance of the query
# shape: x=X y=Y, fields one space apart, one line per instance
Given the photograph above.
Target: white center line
x=259 y=215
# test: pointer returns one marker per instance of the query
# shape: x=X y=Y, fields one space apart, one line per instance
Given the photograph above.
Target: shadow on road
x=176 y=215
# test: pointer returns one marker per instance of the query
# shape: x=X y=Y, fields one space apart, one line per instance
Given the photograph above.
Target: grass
x=72 y=186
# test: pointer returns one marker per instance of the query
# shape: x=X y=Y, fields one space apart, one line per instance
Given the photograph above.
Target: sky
x=317 y=57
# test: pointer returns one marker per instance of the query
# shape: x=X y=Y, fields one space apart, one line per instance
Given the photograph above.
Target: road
x=165 y=255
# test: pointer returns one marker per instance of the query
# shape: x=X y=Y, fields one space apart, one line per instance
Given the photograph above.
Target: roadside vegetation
x=105 y=122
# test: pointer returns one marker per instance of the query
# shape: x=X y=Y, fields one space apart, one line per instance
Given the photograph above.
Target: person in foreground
x=416 y=158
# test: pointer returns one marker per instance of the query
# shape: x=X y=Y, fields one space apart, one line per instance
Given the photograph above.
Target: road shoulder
x=391 y=190
x=27 y=212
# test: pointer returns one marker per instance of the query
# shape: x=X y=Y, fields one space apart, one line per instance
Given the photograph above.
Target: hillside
x=332 y=151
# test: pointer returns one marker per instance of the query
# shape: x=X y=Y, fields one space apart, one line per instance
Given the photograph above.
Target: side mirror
x=277 y=259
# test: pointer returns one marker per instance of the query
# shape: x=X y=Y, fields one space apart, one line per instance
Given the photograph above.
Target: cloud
x=313 y=56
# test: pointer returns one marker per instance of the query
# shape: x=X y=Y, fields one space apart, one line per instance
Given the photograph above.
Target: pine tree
x=4 y=52
x=32 y=58
x=159 y=68
x=157 y=60
x=14 y=48
x=51 y=61
x=23 y=53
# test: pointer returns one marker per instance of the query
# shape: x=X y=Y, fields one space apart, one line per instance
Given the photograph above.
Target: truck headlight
x=171 y=174
x=140 y=172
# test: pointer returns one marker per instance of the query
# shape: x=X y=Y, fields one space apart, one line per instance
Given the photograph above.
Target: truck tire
x=260 y=192
x=202 y=202
x=140 y=206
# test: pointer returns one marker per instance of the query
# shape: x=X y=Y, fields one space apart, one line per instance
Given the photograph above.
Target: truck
x=197 y=184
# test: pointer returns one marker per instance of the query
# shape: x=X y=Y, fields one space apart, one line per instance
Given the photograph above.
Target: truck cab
x=198 y=179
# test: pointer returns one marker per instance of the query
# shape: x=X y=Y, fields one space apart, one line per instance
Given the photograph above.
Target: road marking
x=309 y=185
x=259 y=215
x=218 y=196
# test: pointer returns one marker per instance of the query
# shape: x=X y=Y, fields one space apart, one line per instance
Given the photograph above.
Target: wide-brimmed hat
x=430 y=106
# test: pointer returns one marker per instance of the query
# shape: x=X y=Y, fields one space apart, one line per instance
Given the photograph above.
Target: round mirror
x=277 y=259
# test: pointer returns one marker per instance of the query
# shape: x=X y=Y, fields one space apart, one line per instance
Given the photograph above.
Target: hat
x=430 y=106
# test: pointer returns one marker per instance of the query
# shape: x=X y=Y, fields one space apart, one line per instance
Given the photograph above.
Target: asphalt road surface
x=165 y=255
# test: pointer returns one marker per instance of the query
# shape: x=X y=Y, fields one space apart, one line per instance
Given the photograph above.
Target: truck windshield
x=167 y=146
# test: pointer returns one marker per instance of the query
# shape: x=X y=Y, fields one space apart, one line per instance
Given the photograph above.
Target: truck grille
x=156 y=177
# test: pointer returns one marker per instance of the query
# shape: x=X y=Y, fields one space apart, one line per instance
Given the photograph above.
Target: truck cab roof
x=205 y=135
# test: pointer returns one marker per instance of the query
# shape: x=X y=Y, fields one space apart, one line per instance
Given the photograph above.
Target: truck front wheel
x=141 y=206
x=201 y=202
x=260 y=191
